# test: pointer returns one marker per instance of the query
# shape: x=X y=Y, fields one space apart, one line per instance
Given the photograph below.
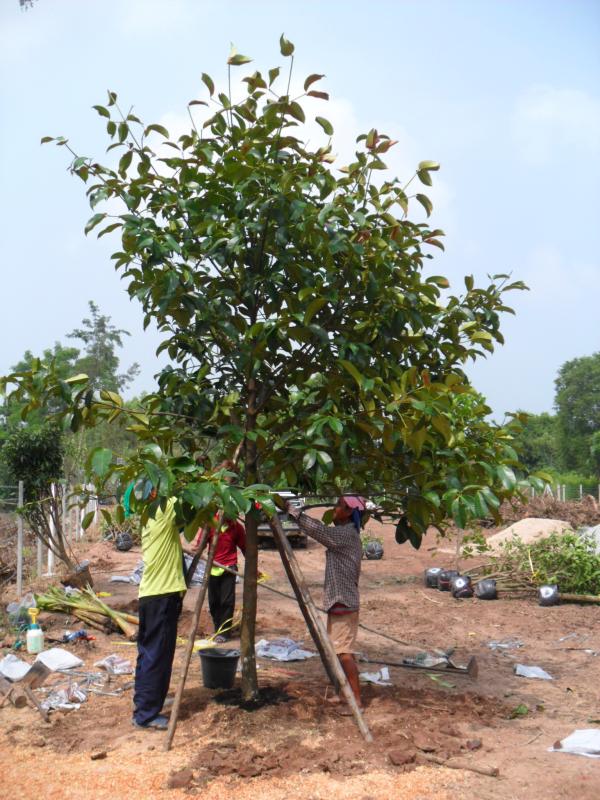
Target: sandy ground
x=300 y=747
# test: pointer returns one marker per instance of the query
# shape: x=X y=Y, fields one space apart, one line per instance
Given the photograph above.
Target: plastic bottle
x=35 y=635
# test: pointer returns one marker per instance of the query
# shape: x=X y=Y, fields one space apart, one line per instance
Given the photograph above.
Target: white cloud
x=546 y=119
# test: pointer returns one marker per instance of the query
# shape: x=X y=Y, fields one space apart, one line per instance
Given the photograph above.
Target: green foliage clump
x=568 y=560
x=36 y=458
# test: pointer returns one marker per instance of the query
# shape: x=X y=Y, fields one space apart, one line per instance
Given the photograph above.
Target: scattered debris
x=115 y=665
x=66 y=699
x=282 y=650
x=506 y=644
x=524 y=671
x=381 y=678
x=13 y=667
x=583 y=742
x=98 y=755
x=58 y=659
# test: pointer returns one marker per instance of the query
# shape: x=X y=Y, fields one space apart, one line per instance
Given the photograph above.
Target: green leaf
x=425 y=202
x=297 y=111
x=95 y=220
x=158 y=128
x=46 y=139
x=104 y=112
x=286 y=47
x=424 y=177
x=506 y=477
x=101 y=459
x=124 y=163
x=313 y=308
x=237 y=59
x=199 y=494
x=519 y=711
x=349 y=367
x=273 y=75
x=325 y=124
x=309 y=459
x=208 y=82
x=428 y=166
x=87 y=520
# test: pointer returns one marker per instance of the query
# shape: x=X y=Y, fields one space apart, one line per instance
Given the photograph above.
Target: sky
x=505 y=94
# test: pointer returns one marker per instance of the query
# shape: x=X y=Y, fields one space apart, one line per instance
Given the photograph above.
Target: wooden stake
x=189 y=648
x=317 y=629
x=11 y=692
x=491 y=772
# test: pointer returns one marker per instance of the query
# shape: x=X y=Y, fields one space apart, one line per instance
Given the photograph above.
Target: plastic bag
x=17 y=612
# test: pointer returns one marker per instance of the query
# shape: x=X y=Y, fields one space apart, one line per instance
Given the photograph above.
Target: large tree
x=305 y=335
x=577 y=405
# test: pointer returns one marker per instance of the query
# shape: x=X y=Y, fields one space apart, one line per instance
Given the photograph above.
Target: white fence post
x=20 y=543
x=53 y=532
x=63 y=512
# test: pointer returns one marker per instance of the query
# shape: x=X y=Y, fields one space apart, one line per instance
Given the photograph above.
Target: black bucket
x=218 y=667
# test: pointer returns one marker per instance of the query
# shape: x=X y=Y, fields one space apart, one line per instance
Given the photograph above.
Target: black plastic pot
x=430 y=577
x=548 y=596
x=460 y=587
x=444 y=577
x=218 y=667
x=485 y=589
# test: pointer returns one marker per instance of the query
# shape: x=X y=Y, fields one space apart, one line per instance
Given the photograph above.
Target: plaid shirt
x=343 y=559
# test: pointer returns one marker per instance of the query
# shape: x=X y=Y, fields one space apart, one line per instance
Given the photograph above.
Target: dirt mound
x=576 y=512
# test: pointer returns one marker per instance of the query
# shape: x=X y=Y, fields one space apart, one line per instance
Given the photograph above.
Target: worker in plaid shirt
x=342 y=571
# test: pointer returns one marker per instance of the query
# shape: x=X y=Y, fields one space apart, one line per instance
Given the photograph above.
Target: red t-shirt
x=230 y=538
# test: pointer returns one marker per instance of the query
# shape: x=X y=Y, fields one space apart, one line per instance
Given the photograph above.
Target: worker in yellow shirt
x=161 y=596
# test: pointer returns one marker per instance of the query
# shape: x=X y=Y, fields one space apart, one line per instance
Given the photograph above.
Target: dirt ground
x=298 y=746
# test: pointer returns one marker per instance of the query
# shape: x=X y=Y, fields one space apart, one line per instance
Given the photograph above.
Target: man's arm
x=324 y=534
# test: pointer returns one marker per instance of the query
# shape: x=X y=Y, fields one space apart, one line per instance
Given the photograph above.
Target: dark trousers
x=221 y=599
x=157 y=637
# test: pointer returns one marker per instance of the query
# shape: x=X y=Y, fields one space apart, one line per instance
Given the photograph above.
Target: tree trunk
x=249 y=677
x=248 y=654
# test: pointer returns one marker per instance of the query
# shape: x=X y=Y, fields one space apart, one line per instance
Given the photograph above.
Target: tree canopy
x=305 y=333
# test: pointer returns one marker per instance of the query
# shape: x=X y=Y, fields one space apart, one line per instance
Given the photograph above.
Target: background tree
x=305 y=336
x=537 y=442
x=100 y=361
x=577 y=405
x=35 y=456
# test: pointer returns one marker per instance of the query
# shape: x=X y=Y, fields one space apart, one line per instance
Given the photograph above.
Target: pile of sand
x=529 y=531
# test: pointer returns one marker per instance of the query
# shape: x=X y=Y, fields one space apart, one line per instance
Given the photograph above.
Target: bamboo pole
x=189 y=648
x=322 y=640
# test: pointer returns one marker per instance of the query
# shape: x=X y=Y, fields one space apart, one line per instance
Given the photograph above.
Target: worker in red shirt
x=221 y=584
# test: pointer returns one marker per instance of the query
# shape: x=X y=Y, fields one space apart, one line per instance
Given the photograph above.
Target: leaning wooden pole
x=317 y=629
x=307 y=617
x=187 y=656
